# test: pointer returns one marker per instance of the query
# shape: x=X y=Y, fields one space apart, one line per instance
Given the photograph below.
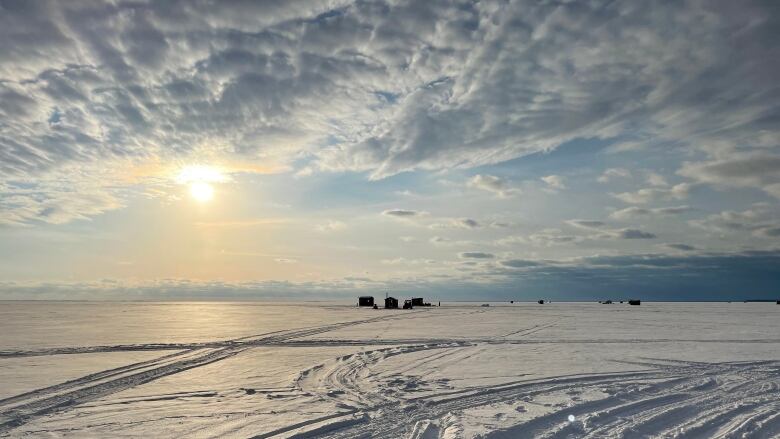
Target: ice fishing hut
x=417 y=301
x=634 y=302
x=366 y=301
x=391 y=303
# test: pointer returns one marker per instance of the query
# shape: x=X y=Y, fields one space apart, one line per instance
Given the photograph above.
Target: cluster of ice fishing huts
x=392 y=302
x=630 y=302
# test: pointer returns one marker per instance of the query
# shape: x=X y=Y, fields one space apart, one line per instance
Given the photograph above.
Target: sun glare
x=199 y=179
x=193 y=173
x=201 y=191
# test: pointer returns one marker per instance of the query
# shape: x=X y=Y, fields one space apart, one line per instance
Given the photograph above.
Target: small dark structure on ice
x=418 y=301
x=366 y=301
x=407 y=304
x=391 y=303
x=540 y=302
x=634 y=302
x=606 y=302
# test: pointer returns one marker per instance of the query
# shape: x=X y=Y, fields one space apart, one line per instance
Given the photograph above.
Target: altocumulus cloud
x=377 y=87
x=401 y=213
x=477 y=255
x=494 y=184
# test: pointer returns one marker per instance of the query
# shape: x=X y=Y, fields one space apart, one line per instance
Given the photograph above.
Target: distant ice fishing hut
x=391 y=303
x=366 y=301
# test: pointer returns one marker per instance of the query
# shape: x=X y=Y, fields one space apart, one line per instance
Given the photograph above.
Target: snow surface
x=259 y=370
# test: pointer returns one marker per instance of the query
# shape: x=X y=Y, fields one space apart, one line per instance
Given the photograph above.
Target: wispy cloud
x=649 y=195
x=759 y=170
x=491 y=183
x=613 y=173
x=555 y=182
x=401 y=213
x=477 y=255
x=634 y=212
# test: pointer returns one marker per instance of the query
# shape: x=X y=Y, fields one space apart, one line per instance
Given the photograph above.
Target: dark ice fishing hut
x=391 y=303
x=366 y=301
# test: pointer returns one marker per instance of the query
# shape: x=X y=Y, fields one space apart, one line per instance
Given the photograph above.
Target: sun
x=201 y=191
x=199 y=178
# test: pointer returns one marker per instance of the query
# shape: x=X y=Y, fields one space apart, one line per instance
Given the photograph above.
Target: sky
x=459 y=150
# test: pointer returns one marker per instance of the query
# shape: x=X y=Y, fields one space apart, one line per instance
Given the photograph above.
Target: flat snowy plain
x=261 y=370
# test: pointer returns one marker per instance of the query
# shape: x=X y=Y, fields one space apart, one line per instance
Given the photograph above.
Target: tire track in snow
x=698 y=405
x=248 y=342
x=669 y=399
x=20 y=409
x=528 y=331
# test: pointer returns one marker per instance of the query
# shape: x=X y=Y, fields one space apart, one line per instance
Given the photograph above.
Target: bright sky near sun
x=200 y=179
x=323 y=149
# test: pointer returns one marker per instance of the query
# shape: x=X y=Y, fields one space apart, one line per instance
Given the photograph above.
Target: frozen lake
x=96 y=369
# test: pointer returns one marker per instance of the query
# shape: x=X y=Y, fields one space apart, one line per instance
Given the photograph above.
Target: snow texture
x=254 y=370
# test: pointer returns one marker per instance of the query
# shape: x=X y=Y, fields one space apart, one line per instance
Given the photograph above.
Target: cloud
x=476 y=255
x=680 y=247
x=438 y=240
x=493 y=184
x=54 y=202
x=655 y=179
x=759 y=170
x=459 y=223
x=331 y=226
x=760 y=220
x=602 y=232
x=544 y=238
x=683 y=276
x=441 y=241
x=612 y=173
x=773 y=190
x=335 y=86
x=635 y=234
x=648 y=195
x=468 y=223
x=769 y=231
x=586 y=224
x=518 y=263
x=554 y=181
x=634 y=212
x=401 y=213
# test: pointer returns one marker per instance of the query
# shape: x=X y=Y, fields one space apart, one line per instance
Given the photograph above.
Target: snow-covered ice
x=259 y=370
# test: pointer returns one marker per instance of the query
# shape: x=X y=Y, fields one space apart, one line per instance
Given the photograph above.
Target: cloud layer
x=383 y=87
